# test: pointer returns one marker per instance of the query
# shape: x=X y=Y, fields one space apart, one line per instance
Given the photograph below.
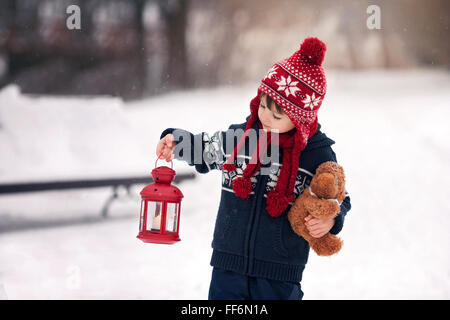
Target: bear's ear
x=330 y=167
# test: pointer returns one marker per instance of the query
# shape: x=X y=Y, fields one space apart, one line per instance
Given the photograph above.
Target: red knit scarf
x=279 y=197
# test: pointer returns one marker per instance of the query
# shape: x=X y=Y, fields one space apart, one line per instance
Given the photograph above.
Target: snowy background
x=393 y=138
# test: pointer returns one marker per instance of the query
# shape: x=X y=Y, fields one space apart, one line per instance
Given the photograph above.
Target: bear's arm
x=321 y=209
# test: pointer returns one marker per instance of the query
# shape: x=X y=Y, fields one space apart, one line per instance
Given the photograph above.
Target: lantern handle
x=171 y=163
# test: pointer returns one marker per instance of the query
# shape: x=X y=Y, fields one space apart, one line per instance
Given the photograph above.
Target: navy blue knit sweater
x=247 y=239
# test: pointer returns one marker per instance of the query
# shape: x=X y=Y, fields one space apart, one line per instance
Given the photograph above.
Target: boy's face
x=271 y=119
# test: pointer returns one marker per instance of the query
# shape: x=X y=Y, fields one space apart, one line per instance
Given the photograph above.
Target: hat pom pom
x=242 y=187
x=276 y=203
x=313 y=50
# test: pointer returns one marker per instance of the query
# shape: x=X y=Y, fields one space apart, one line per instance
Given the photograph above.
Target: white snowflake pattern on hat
x=287 y=85
x=311 y=101
x=271 y=72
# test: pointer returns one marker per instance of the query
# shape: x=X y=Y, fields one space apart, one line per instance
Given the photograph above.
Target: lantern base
x=158 y=238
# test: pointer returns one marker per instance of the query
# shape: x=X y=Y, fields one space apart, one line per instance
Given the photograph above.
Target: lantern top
x=162 y=190
x=163 y=175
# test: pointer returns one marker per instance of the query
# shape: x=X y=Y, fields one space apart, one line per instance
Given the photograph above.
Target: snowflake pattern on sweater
x=301 y=183
x=215 y=157
x=213 y=152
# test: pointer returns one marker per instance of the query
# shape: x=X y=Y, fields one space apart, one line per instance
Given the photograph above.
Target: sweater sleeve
x=203 y=151
x=345 y=207
x=327 y=154
x=339 y=219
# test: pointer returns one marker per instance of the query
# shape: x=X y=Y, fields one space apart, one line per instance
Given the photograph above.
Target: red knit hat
x=298 y=85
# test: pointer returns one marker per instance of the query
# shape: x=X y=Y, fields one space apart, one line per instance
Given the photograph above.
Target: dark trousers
x=229 y=285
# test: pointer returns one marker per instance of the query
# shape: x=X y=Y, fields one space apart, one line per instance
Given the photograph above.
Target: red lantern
x=160 y=208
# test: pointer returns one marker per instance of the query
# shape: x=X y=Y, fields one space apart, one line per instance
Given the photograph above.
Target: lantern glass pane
x=172 y=217
x=141 y=220
x=154 y=216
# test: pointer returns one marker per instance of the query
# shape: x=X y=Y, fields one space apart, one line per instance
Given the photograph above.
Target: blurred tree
x=156 y=46
x=420 y=28
x=211 y=36
x=131 y=48
x=175 y=15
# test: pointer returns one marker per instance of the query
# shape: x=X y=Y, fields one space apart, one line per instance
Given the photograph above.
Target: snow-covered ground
x=393 y=140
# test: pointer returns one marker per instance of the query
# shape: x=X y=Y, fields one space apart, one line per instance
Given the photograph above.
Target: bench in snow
x=115 y=183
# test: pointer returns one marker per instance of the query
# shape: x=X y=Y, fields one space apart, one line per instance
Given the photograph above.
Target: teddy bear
x=321 y=200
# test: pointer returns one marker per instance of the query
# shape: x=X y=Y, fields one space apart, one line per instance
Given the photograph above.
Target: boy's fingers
x=169 y=139
x=167 y=153
x=164 y=148
x=169 y=158
x=316 y=235
x=159 y=147
x=315 y=228
x=313 y=222
x=160 y=154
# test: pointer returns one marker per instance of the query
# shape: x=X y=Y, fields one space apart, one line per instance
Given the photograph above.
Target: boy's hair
x=270 y=102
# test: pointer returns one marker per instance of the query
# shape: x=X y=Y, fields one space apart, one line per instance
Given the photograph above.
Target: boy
x=256 y=254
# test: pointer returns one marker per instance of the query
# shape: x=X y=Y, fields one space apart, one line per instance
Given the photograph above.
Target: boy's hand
x=318 y=227
x=164 y=149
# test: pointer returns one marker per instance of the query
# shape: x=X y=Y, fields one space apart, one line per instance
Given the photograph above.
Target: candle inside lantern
x=156 y=223
x=171 y=222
